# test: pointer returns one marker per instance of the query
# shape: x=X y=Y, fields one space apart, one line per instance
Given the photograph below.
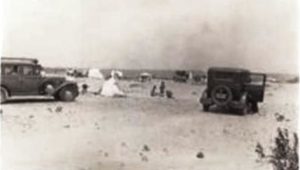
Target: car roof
x=19 y=61
x=228 y=69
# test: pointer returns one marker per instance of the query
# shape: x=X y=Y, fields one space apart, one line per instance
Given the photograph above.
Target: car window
x=28 y=70
x=37 y=71
x=10 y=70
x=257 y=79
x=246 y=78
x=225 y=76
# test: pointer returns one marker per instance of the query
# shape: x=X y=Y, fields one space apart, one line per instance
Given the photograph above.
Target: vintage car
x=233 y=88
x=181 y=76
x=23 y=77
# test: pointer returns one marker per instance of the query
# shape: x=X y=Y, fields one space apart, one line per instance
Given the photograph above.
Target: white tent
x=110 y=88
x=145 y=74
x=95 y=73
x=145 y=77
x=69 y=78
x=116 y=72
x=94 y=81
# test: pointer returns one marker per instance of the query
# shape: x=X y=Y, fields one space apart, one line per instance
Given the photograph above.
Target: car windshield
x=256 y=79
x=225 y=76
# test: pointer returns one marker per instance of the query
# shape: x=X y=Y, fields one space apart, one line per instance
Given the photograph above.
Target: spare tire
x=221 y=95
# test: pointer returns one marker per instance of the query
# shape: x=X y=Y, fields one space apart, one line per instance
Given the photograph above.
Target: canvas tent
x=116 y=73
x=145 y=77
x=93 y=81
x=95 y=73
x=110 y=87
x=69 y=78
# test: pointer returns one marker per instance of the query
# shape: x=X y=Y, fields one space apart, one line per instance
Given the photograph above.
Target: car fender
x=7 y=89
x=65 y=84
x=43 y=85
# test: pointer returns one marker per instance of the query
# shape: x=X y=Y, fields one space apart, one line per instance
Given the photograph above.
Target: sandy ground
x=140 y=132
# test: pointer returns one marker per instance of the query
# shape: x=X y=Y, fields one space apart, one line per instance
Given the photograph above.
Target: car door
x=256 y=87
x=11 y=78
x=31 y=80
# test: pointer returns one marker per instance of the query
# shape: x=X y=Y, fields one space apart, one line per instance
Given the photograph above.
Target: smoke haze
x=154 y=34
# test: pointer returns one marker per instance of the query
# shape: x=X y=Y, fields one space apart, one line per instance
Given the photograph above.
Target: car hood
x=58 y=79
x=54 y=77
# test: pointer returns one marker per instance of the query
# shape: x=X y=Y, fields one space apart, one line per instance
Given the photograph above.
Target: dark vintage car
x=234 y=88
x=23 y=77
x=181 y=76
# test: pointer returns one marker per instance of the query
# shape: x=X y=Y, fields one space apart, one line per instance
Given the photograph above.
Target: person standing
x=162 y=88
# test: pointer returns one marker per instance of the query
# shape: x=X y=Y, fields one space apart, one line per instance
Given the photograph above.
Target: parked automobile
x=24 y=77
x=181 y=76
x=234 y=88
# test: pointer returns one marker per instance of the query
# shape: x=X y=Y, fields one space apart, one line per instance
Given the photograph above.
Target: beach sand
x=141 y=132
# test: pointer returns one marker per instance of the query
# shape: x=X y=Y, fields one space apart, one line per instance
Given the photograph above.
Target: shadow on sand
x=224 y=111
x=29 y=100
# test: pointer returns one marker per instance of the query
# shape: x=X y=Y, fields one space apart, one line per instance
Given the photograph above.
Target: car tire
x=4 y=95
x=254 y=107
x=221 y=89
x=67 y=94
x=49 y=88
x=246 y=110
x=56 y=96
x=247 y=106
x=205 y=107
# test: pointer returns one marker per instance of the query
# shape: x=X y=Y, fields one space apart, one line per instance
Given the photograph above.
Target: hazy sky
x=172 y=34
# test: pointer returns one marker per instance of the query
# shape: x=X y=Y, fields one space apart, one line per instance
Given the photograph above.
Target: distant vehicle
x=181 y=76
x=236 y=89
x=24 y=77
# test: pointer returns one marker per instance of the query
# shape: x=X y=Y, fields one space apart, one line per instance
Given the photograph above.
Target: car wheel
x=67 y=94
x=205 y=108
x=254 y=107
x=48 y=88
x=56 y=96
x=4 y=95
x=221 y=95
x=244 y=111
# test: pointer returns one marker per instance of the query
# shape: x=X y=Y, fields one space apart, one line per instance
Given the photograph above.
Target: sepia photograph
x=149 y=85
